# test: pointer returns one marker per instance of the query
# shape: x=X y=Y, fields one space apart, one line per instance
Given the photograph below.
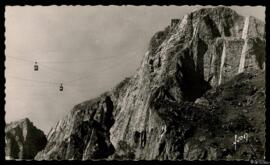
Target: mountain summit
x=200 y=83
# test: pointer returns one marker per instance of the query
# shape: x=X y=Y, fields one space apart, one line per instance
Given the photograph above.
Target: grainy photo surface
x=135 y=83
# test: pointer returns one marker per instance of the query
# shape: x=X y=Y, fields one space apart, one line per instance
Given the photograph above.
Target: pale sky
x=87 y=48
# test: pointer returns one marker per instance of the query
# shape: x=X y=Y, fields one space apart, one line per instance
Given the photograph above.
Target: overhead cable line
x=31 y=80
x=71 y=61
x=42 y=65
x=89 y=76
x=22 y=59
x=61 y=83
x=40 y=81
x=66 y=83
x=55 y=70
x=83 y=60
x=61 y=71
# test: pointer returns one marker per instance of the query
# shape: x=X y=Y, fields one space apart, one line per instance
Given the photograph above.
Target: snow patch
x=243 y=58
x=245 y=29
x=223 y=57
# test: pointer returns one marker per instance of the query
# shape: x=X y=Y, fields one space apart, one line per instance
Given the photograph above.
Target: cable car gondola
x=36 y=67
x=61 y=88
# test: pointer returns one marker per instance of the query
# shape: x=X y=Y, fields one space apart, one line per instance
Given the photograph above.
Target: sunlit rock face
x=23 y=140
x=152 y=115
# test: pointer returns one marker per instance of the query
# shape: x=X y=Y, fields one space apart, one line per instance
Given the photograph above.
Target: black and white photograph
x=175 y=82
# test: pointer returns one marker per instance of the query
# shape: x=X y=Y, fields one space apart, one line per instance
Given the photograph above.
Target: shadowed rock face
x=23 y=140
x=152 y=115
x=234 y=108
x=84 y=133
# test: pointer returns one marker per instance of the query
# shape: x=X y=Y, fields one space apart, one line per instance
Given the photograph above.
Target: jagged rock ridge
x=152 y=114
x=23 y=140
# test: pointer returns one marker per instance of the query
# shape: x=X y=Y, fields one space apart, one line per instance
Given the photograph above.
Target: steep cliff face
x=152 y=115
x=84 y=132
x=23 y=140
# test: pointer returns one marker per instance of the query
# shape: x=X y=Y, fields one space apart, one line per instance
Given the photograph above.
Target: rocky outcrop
x=152 y=114
x=84 y=132
x=235 y=108
x=23 y=140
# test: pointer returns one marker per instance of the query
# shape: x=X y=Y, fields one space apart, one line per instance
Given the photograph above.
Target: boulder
x=202 y=101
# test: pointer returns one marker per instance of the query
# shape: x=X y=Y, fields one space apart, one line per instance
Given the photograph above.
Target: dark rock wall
x=23 y=140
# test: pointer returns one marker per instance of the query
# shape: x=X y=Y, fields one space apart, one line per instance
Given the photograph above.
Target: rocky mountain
x=200 y=83
x=23 y=140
